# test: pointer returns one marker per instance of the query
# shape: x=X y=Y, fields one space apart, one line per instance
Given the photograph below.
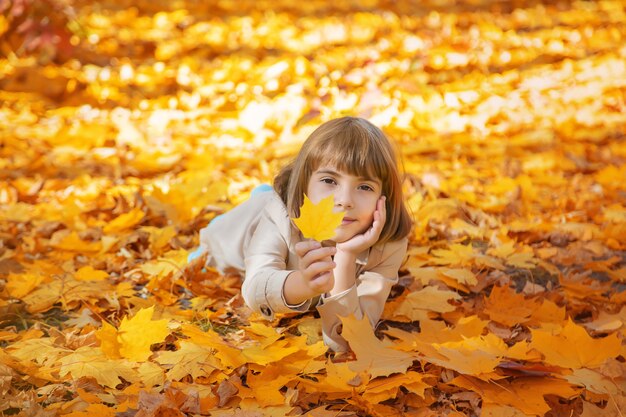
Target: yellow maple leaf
x=476 y=356
x=526 y=395
x=383 y=389
x=338 y=378
x=373 y=355
x=134 y=337
x=317 y=221
x=87 y=361
x=573 y=347
x=426 y=299
x=593 y=381
x=263 y=355
x=463 y=276
x=151 y=374
x=229 y=356
x=267 y=384
x=20 y=285
x=109 y=344
x=72 y=242
x=190 y=359
x=124 y=221
x=507 y=307
x=93 y=410
x=88 y=273
x=457 y=254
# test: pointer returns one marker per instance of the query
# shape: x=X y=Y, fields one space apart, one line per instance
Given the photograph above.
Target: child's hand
x=315 y=273
x=361 y=242
x=316 y=265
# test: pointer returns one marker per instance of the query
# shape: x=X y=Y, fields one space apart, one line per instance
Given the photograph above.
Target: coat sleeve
x=266 y=267
x=367 y=296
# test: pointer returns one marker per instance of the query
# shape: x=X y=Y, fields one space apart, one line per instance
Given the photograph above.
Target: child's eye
x=365 y=187
x=328 y=180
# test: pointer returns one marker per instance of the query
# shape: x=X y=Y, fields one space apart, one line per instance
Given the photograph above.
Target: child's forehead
x=324 y=169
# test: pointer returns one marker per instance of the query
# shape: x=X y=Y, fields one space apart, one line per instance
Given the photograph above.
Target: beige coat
x=258 y=239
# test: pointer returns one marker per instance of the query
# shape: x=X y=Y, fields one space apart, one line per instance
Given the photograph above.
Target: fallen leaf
x=573 y=348
x=373 y=356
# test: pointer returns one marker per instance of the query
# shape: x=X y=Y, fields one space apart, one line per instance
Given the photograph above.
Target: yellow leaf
x=136 y=335
x=41 y=350
x=267 y=384
x=507 y=307
x=124 y=221
x=427 y=299
x=171 y=262
x=373 y=356
x=190 y=359
x=463 y=276
x=522 y=260
x=229 y=356
x=20 y=285
x=385 y=388
x=159 y=237
x=151 y=374
x=87 y=361
x=608 y=322
x=87 y=273
x=268 y=354
x=338 y=378
x=548 y=312
x=456 y=255
x=593 y=381
x=72 y=242
x=574 y=348
x=108 y=340
x=525 y=394
x=4 y=25
x=317 y=221
x=476 y=356
x=99 y=410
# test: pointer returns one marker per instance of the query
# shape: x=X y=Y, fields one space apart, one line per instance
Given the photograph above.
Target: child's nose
x=343 y=198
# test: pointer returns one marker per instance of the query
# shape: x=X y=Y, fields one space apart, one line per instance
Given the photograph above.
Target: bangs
x=353 y=151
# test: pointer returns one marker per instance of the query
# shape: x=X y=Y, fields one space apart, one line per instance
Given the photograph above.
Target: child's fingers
x=323 y=283
x=318 y=268
x=380 y=216
x=302 y=248
x=317 y=255
x=382 y=209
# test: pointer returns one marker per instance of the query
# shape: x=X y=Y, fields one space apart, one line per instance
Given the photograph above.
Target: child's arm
x=271 y=285
x=367 y=296
x=347 y=252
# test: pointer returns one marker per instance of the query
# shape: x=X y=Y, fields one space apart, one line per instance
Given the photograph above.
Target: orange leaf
x=573 y=347
x=373 y=356
x=507 y=307
x=525 y=394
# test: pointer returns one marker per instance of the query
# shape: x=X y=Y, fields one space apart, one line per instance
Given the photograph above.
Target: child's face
x=355 y=195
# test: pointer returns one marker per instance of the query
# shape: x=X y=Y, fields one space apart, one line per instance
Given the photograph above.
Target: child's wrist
x=346 y=256
x=296 y=289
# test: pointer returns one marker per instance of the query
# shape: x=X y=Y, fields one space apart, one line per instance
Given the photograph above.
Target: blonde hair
x=355 y=146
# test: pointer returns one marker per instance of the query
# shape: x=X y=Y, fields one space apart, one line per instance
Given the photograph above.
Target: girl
x=353 y=160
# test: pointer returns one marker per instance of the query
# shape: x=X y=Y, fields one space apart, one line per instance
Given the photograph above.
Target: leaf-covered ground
x=126 y=126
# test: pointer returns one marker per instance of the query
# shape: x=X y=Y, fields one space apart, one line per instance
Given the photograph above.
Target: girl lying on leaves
x=353 y=273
